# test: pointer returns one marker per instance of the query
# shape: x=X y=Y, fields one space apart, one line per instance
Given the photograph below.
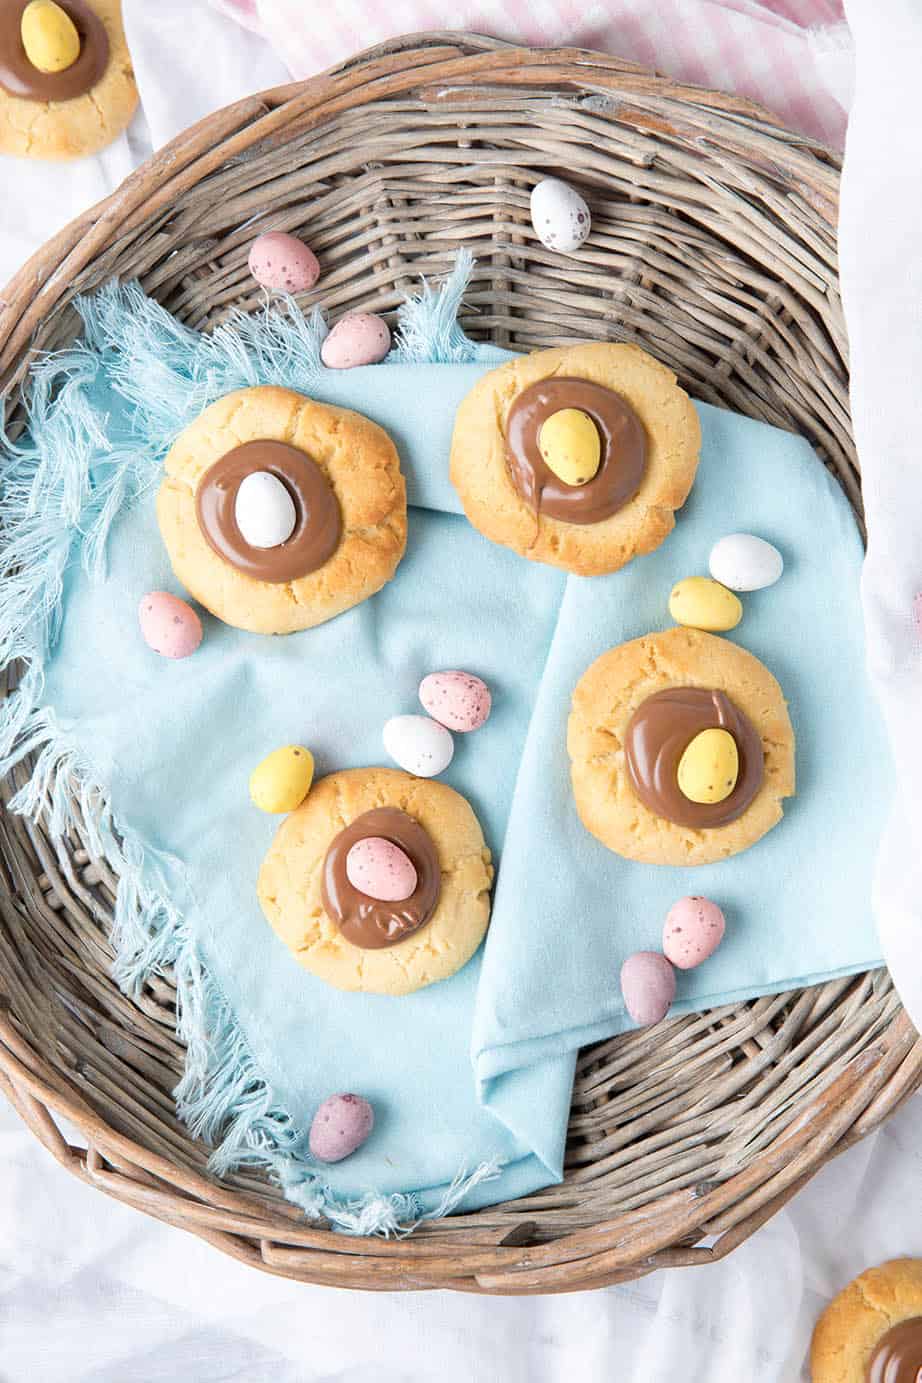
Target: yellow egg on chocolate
x=700 y=603
x=49 y=36
x=709 y=767
x=570 y=445
x=283 y=779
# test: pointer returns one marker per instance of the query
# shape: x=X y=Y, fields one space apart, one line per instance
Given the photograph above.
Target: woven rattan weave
x=714 y=246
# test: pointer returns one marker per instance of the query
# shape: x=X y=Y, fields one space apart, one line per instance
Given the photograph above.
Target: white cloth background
x=91 y=1292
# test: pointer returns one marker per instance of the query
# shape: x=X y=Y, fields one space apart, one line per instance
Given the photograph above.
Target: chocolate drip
x=623 y=459
x=20 y=78
x=658 y=734
x=897 y=1356
x=318 y=524
x=368 y=922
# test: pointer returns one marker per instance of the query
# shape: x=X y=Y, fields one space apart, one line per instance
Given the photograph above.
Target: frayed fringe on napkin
x=60 y=495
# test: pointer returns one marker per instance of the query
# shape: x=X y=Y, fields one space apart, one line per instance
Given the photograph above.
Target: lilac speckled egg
x=648 y=986
x=169 y=625
x=283 y=263
x=693 y=930
x=361 y=338
x=457 y=700
x=380 y=869
x=340 y=1126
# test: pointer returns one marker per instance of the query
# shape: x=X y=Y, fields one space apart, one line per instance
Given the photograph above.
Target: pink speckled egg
x=648 y=986
x=361 y=338
x=693 y=930
x=340 y=1126
x=457 y=700
x=380 y=869
x=169 y=625
x=283 y=263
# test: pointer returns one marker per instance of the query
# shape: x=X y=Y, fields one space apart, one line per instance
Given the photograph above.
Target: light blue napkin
x=170 y=746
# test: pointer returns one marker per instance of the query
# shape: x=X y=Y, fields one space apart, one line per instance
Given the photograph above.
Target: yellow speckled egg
x=283 y=779
x=709 y=767
x=570 y=446
x=701 y=603
x=49 y=36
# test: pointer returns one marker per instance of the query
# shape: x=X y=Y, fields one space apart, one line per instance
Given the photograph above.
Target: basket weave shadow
x=714 y=246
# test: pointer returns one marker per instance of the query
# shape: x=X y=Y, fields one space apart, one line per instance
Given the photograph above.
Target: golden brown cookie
x=605 y=699
x=872 y=1331
x=82 y=125
x=360 y=465
x=291 y=892
x=481 y=474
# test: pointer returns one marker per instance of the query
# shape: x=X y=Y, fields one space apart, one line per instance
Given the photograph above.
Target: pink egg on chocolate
x=340 y=1126
x=169 y=626
x=283 y=263
x=693 y=930
x=380 y=869
x=360 y=338
x=457 y=700
x=648 y=986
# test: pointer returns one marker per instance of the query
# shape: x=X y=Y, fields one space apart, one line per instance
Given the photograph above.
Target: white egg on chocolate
x=559 y=215
x=264 y=510
x=743 y=562
x=419 y=745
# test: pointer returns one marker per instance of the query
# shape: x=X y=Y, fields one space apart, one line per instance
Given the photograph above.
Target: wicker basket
x=714 y=246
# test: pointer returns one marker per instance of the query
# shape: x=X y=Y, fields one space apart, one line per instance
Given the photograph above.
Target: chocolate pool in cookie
x=51 y=51
x=363 y=915
x=267 y=509
x=576 y=450
x=897 y=1356
x=693 y=757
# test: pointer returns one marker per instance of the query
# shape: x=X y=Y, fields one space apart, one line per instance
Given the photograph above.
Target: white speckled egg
x=169 y=626
x=648 y=986
x=283 y=263
x=360 y=338
x=559 y=215
x=264 y=510
x=743 y=562
x=340 y=1126
x=457 y=700
x=419 y=745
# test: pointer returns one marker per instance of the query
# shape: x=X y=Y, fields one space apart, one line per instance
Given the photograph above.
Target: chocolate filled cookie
x=681 y=748
x=355 y=941
x=279 y=513
x=66 y=84
x=577 y=457
x=872 y=1331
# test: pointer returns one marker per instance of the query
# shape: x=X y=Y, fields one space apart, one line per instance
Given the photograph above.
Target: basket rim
x=275 y=1239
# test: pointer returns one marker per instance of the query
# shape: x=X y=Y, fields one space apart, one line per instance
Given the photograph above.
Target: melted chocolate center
x=660 y=731
x=369 y=922
x=20 y=78
x=318 y=524
x=897 y=1356
x=623 y=446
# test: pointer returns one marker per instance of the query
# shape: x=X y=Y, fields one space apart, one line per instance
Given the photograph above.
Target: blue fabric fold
x=471 y=1076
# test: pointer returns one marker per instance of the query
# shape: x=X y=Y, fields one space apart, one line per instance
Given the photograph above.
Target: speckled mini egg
x=559 y=215
x=169 y=626
x=743 y=562
x=380 y=869
x=457 y=700
x=283 y=263
x=264 y=510
x=361 y=338
x=340 y=1126
x=419 y=745
x=648 y=986
x=281 y=781
x=693 y=930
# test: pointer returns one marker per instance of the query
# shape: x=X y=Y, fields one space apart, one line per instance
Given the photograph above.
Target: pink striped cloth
x=764 y=49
